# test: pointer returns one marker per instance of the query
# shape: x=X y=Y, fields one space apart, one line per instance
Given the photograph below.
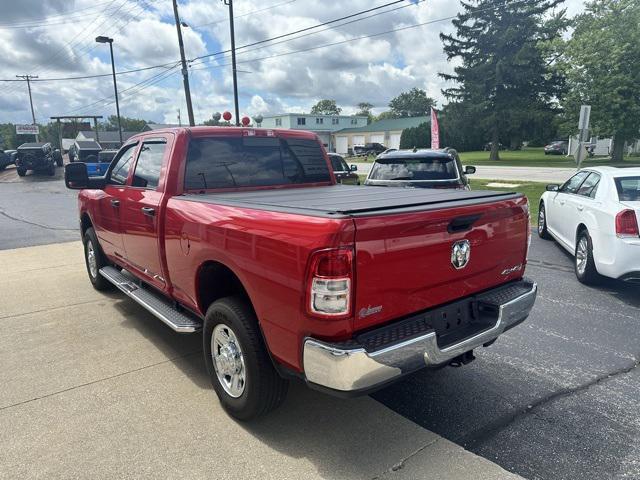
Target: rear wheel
x=51 y=170
x=585 y=266
x=237 y=360
x=95 y=260
x=21 y=171
x=542 y=223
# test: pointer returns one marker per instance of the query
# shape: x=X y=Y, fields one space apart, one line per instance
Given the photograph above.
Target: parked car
x=595 y=216
x=420 y=168
x=369 y=149
x=87 y=151
x=243 y=234
x=101 y=166
x=343 y=172
x=38 y=157
x=558 y=147
x=388 y=150
x=57 y=156
x=5 y=159
x=72 y=153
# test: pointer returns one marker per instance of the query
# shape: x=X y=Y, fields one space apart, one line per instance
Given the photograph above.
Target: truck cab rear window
x=253 y=161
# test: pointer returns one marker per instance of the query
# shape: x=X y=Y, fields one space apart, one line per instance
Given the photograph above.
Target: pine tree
x=503 y=77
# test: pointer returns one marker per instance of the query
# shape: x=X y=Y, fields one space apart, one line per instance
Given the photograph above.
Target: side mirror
x=354 y=168
x=553 y=187
x=469 y=170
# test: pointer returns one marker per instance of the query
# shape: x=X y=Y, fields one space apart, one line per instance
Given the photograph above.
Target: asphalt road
x=556 y=398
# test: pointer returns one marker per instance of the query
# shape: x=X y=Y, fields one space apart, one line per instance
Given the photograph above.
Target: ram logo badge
x=460 y=254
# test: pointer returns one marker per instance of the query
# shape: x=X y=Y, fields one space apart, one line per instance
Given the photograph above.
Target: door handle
x=561 y=202
x=115 y=203
x=580 y=207
x=148 y=211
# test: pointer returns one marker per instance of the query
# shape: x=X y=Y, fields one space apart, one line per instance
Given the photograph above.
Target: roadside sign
x=585 y=113
x=27 y=130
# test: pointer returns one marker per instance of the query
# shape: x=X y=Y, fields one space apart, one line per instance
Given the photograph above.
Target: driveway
x=96 y=387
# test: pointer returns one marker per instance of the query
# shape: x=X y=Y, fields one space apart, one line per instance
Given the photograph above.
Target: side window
x=589 y=186
x=572 y=185
x=122 y=165
x=147 y=173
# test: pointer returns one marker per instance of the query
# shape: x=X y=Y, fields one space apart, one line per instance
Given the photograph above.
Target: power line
x=244 y=14
x=45 y=21
x=319 y=31
x=301 y=30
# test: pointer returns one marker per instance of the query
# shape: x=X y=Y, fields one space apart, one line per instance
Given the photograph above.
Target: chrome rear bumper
x=352 y=367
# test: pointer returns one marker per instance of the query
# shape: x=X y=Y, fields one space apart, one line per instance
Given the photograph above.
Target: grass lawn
x=533 y=191
x=535 y=157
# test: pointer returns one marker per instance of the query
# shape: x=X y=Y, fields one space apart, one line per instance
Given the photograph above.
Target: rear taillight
x=330 y=282
x=627 y=224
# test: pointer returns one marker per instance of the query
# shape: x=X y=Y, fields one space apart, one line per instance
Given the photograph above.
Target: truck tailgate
x=404 y=260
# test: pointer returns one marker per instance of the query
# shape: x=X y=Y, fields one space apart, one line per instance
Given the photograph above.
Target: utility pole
x=185 y=72
x=233 y=60
x=33 y=113
x=179 y=118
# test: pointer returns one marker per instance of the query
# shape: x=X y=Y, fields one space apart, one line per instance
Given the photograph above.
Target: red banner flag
x=435 y=131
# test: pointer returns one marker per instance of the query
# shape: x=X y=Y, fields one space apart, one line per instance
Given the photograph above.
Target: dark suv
x=344 y=173
x=38 y=157
x=420 y=168
x=369 y=149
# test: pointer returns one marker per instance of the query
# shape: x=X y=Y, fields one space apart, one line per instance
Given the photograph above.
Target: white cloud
x=371 y=69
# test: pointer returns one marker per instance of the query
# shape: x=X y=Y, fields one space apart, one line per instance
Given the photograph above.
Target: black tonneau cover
x=347 y=200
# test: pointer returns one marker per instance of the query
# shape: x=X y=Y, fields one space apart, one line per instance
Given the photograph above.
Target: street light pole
x=108 y=40
x=233 y=61
x=185 y=72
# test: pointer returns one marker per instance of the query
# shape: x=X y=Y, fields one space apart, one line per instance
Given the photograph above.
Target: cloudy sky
x=55 y=38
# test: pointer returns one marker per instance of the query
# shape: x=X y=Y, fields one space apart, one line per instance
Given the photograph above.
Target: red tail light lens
x=627 y=224
x=330 y=282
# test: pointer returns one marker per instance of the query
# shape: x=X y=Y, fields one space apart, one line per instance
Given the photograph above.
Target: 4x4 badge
x=460 y=254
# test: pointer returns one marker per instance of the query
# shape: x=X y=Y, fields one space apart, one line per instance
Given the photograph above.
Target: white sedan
x=595 y=216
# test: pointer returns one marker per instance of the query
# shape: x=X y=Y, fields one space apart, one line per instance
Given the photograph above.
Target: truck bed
x=349 y=201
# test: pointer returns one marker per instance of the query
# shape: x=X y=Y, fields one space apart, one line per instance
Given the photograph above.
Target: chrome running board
x=153 y=302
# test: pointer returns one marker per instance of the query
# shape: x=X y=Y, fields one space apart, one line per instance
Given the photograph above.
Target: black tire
x=263 y=388
x=587 y=272
x=22 y=172
x=51 y=170
x=542 y=223
x=91 y=243
x=59 y=162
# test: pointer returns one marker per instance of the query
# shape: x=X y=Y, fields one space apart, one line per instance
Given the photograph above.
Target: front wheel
x=95 y=260
x=237 y=360
x=542 y=223
x=585 y=265
x=21 y=171
x=51 y=170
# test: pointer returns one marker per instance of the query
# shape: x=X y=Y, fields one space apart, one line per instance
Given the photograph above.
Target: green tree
x=419 y=137
x=602 y=65
x=364 y=110
x=504 y=76
x=128 y=124
x=386 y=115
x=326 y=107
x=414 y=103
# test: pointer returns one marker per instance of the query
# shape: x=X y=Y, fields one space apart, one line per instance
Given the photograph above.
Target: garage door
x=342 y=145
x=358 y=139
x=377 y=138
x=394 y=140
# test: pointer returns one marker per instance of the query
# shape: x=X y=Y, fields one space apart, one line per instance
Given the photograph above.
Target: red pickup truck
x=244 y=234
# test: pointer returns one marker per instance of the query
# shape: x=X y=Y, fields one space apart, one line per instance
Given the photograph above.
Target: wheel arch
x=85 y=223
x=215 y=280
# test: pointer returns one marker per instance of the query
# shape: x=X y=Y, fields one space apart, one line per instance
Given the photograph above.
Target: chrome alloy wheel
x=228 y=360
x=541 y=220
x=92 y=262
x=582 y=255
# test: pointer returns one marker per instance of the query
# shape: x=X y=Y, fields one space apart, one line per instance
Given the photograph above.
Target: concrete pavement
x=530 y=174
x=94 y=386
